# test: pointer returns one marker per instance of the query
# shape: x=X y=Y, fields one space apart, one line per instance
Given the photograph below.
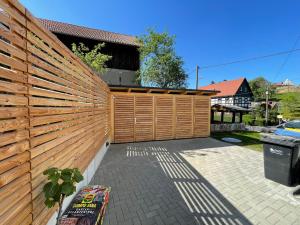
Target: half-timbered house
x=232 y=92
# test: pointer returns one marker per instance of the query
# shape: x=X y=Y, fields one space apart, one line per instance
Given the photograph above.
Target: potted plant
x=61 y=183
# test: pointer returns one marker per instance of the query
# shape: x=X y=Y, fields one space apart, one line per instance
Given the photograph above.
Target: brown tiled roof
x=226 y=88
x=90 y=33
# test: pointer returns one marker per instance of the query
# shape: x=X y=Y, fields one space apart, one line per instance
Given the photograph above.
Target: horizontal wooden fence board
x=14 y=186
x=17 y=76
x=54 y=112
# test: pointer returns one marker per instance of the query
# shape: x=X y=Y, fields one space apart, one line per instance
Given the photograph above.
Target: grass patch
x=249 y=139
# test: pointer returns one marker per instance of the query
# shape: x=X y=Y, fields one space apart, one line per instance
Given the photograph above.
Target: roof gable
x=89 y=33
x=226 y=88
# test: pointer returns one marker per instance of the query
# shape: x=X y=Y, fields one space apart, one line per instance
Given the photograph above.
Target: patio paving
x=192 y=181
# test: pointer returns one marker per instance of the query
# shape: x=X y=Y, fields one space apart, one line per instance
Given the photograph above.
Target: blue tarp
x=283 y=132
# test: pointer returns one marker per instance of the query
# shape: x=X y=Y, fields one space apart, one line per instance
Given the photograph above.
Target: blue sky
x=207 y=31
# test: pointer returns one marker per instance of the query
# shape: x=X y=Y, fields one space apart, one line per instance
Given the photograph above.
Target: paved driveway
x=192 y=181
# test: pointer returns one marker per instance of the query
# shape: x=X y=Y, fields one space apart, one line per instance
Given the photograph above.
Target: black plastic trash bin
x=281 y=158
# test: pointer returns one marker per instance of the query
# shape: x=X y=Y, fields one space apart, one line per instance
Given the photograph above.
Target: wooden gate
x=144 y=121
x=184 y=116
x=164 y=116
x=147 y=117
x=123 y=118
x=201 y=116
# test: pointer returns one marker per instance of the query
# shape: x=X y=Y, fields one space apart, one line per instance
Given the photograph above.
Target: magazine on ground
x=87 y=207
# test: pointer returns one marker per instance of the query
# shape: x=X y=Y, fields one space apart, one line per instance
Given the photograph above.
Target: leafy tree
x=93 y=58
x=61 y=183
x=290 y=105
x=257 y=115
x=160 y=66
x=259 y=87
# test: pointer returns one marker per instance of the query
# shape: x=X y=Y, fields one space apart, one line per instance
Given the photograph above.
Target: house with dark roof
x=123 y=48
x=231 y=93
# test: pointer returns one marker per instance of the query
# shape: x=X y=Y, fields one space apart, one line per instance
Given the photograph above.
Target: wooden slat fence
x=54 y=112
x=147 y=117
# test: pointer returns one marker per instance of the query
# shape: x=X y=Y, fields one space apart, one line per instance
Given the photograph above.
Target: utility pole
x=267 y=104
x=197 y=76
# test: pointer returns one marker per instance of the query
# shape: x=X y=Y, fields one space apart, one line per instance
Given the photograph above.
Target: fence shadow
x=204 y=204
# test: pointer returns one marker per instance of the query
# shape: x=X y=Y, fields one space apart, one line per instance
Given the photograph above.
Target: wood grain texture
x=184 y=116
x=147 y=117
x=201 y=116
x=144 y=121
x=123 y=118
x=55 y=111
x=164 y=118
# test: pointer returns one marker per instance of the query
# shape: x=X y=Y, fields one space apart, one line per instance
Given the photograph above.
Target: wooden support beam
x=241 y=117
x=212 y=117
x=233 y=117
x=222 y=117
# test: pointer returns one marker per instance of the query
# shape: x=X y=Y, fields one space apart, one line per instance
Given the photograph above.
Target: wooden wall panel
x=164 y=117
x=184 y=116
x=201 y=116
x=147 y=117
x=123 y=118
x=55 y=112
x=144 y=120
x=15 y=186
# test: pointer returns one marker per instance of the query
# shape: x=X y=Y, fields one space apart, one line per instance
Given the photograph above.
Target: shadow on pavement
x=153 y=184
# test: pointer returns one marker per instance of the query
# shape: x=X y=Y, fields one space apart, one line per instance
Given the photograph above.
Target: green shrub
x=248 y=120
x=61 y=183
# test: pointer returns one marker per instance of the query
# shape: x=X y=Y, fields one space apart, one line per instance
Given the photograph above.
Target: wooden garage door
x=164 y=115
x=144 y=121
x=184 y=116
x=201 y=116
x=123 y=118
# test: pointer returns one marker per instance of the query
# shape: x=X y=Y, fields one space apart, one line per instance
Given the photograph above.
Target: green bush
x=247 y=119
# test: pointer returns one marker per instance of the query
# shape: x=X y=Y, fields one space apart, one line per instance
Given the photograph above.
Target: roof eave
x=96 y=39
x=156 y=90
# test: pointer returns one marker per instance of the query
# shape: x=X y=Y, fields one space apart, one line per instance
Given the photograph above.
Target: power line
x=250 y=59
x=286 y=58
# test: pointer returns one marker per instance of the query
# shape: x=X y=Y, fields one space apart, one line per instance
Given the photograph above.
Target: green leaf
x=55 y=188
x=52 y=170
x=61 y=182
x=66 y=174
x=68 y=188
x=46 y=189
x=77 y=175
x=49 y=203
x=93 y=58
x=53 y=174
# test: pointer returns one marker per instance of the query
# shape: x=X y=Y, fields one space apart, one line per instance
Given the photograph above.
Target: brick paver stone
x=192 y=181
